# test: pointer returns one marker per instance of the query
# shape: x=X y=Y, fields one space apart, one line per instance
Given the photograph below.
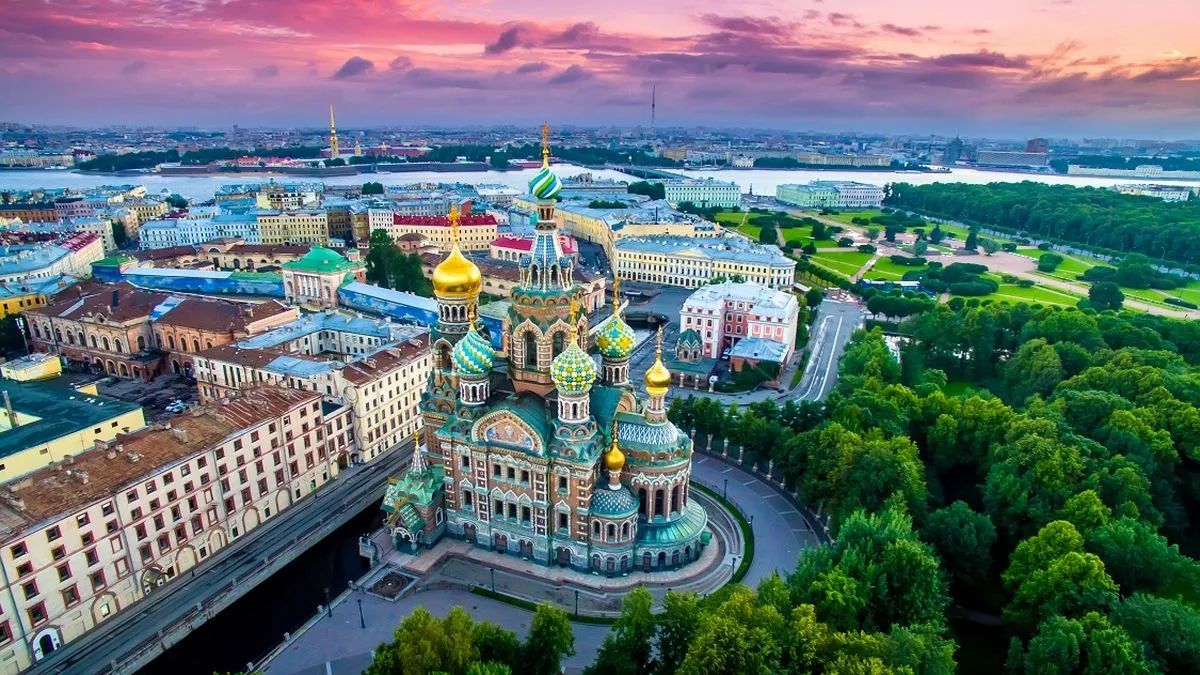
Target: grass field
x=734 y=218
x=846 y=216
x=885 y=269
x=1035 y=294
x=1069 y=268
x=847 y=263
x=751 y=231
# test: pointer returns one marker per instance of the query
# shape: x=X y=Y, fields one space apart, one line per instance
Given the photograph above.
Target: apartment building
x=294 y=227
x=475 y=232
x=87 y=537
x=379 y=375
x=725 y=314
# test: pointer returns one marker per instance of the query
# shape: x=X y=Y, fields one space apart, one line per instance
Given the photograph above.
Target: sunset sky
x=1011 y=67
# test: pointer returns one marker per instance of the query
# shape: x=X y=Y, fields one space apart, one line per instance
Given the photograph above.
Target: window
x=92 y=557
x=37 y=614
x=53 y=534
x=98 y=580
x=107 y=509
x=30 y=588
x=58 y=553
x=18 y=550
x=5 y=633
x=131 y=496
x=70 y=596
x=562 y=483
x=24 y=569
x=82 y=520
x=524 y=476
x=512 y=473
x=147 y=554
x=466 y=462
x=140 y=531
x=562 y=521
x=111 y=526
x=496 y=470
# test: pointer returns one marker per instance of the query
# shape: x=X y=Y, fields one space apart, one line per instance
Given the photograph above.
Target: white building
x=724 y=314
x=1167 y=193
x=693 y=262
x=703 y=192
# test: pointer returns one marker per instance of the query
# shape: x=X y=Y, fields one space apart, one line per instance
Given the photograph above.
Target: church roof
x=321 y=260
x=420 y=488
x=609 y=502
x=633 y=432
x=669 y=533
x=531 y=409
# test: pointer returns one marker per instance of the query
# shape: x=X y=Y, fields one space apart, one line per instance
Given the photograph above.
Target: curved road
x=340 y=646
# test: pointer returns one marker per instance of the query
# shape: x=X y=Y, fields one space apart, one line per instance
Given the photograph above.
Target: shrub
x=845 y=241
x=1025 y=283
x=1009 y=246
x=1049 y=262
x=1099 y=273
x=1181 y=303
x=866 y=248
x=935 y=285
x=1008 y=278
x=907 y=261
x=1045 y=246
x=977 y=287
x=793 y=243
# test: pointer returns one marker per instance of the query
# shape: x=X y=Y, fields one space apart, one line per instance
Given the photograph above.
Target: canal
x=255 y=624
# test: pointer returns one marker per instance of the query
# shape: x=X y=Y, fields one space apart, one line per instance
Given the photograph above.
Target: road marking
x=829 y=366
x=727 y=469
x=752 y=481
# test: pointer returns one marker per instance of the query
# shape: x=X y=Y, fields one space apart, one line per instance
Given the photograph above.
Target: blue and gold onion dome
x=615 y=339
x=573 y=371
x=544 y=184
x=473 y=355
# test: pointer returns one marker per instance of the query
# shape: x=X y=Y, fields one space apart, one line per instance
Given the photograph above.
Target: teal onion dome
x=473 y=355
x=615 y=339
x=544 y=184
x=573 y=371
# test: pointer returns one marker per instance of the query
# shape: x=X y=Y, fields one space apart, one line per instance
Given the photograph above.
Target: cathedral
x=533 y=451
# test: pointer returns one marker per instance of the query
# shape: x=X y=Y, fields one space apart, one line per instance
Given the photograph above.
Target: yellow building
x=607 y=226
x=17 y=301
x=44 y=421
x=294 y=227
x=36 y=366
x=691 y=263
x=475 y=232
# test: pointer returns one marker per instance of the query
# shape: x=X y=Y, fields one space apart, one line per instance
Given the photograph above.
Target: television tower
x=653 y=102
x=334 y=151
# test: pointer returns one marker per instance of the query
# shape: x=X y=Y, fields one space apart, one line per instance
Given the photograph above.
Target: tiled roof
x=221 y=317
x=58 y=491
x=97 y=302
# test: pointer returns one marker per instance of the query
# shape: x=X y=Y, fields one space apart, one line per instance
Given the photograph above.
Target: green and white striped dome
x=544 y=184
x=473 y=355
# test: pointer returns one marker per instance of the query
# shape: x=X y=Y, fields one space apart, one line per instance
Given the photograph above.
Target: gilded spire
x=471 y=315
x=658 y=345
x=616 y=295
x=658 y=378
x=574 y=319
x=614 y=460
x=334 y=150
x=454 y=219
x=545 y=145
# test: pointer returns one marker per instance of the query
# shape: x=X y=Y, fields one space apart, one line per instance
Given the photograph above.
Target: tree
x=814 y=297
x=119 y=236
x=1135 y=271
x=1035 y=369
x=381 y=252
x=491 y=643
x=768 y=235
x=989 y=246
x=1090 y=644
x=424 y=645
x=550 y=640
x=972 y=242
x=740 y=637
x=1169 y=630
x=936 y=235
x=964 y=540
x=677 y=625
x=920 y=247
x=810 y=248
x=1106 y=295
x=873 y=232
x=176 y=201
x=629 y=648
x=372 y=188
x=819 y=231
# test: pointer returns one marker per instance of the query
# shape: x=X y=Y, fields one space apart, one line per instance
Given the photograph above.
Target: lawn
x=734 y=218
x=842 y=262
x=1034 y=294
x=846 y=216
x=887 y=270
x=751 y=231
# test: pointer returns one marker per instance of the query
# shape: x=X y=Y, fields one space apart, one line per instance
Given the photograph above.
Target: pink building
x=724 y=314
x=511 y=248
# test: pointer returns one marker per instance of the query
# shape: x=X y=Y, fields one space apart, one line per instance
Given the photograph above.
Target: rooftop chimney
x=116 y=299
x=135 y=457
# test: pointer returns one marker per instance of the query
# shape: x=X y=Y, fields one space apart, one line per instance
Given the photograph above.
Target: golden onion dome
x=614 y=460
x=658 y=378
x=456 y=276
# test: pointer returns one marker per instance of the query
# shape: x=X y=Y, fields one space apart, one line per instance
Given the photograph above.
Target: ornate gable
x=504 y=427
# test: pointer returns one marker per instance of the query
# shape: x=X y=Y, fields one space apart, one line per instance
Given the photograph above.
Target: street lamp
x=328 y=607
x=361 y=619
x=493 y=579
x=732 y=567
x=725 y=490
x=576 y=603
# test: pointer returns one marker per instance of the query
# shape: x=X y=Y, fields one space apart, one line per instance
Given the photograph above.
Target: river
x=760 y=181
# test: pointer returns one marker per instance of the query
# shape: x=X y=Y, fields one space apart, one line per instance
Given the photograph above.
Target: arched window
x=658 y=502
x=57 y=335
x=531 y=359
x=195 y=345
x=624 y=531
x=675 y=499
x=559 y=343
x=171 y=342
x=81 y=343
x=612 y=532
x=107 y=346
x=642 y=500
x=596 y=528
x=119 y=345
x=443 y=357
x=141 y=343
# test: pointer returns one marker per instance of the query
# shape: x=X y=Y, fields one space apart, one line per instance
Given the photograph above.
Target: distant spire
x=653 y=103
x=545 y=145
x=658 y=349
x=334 y=151
x=454 y=220
x=418 y=460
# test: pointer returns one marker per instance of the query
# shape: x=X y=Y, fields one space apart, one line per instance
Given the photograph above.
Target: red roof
x=443 y=221
x=567 y=243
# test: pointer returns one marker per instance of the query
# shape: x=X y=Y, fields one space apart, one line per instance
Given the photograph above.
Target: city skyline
x=1033 y=67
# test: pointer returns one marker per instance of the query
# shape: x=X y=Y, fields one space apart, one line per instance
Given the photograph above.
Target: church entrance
x=563 y=555
x=469 y=532
x=501 y=542
x=526 y=549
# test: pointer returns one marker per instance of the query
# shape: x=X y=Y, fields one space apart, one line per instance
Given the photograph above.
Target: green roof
x=321 y=260
x=604 y=400
x=420 y=488
x=63 y=411
x=256 y=276
x=680 y=531
x=114 y=260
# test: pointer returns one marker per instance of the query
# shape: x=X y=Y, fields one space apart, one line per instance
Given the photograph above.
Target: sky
x=1010 y=68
